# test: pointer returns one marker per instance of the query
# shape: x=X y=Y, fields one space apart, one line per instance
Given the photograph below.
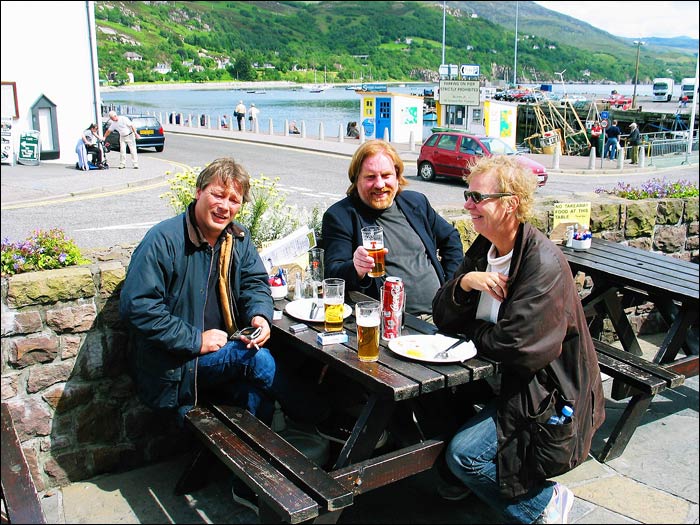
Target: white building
x=49 y=61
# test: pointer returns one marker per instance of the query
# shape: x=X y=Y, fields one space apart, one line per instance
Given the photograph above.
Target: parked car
x=451 y=153
x=150 y=132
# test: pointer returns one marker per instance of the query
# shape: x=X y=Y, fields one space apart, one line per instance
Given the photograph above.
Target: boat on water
x=429 y=116
x=320 y=88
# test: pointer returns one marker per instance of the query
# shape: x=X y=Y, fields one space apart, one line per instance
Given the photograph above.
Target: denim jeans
x=251 y=378
x=611 y=148
x=471 y=456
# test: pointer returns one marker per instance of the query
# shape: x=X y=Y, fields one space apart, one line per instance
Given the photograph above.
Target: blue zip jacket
x=341 y=231
x=162 y=303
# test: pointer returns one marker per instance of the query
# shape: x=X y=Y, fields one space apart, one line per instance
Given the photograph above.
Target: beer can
x=392 y=307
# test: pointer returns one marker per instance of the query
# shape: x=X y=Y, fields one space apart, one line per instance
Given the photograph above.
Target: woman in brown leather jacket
x=515 y=298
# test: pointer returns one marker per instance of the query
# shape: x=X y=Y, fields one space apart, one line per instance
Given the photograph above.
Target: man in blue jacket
x=421 y=247
x=193 y=281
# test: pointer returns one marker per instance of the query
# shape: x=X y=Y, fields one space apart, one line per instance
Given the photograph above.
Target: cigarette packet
x=329 y=338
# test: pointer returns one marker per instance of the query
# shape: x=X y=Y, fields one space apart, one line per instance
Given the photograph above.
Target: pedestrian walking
x=253 y=113
x=634 y=140
x=239 y=113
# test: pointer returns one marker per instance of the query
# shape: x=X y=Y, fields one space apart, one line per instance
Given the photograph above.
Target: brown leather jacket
x=547 y=358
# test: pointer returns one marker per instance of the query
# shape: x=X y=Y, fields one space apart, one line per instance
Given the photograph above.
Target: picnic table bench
x=19 y=496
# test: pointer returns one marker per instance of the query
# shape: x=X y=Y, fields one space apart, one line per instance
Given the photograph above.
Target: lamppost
x=515 y=54
x=639 y=44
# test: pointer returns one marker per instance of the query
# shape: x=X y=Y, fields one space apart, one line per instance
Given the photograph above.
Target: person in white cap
x=127 y=137
x=253 y=113
x=239 y=113
x=634 y=140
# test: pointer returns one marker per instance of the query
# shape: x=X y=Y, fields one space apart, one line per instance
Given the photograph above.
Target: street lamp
x=639 y=44
x=515 y=54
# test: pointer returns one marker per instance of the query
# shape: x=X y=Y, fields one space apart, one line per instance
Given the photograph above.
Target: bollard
x=321 y=135
x=256 y=126
x=642 y=156
x=303 y=129
x=189 y=119
x=556 y=156
x=412 y=141
x=271 y=127
x=386 y=134
x=362 y=134
x=286 y=128
x=620 y=158
x=591 y=159
x=341 y=136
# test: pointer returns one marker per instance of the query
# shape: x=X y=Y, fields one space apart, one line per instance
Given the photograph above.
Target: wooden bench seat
x=646 y=379
x=290 y=487
x=19 y=496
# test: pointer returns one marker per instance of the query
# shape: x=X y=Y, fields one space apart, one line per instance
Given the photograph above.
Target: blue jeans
x=250 y=378
x=471 y=456
x=611 y=148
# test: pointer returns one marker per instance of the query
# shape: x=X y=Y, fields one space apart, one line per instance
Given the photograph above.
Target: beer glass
x=373 y=242
x=333 y=304
x=367 y=318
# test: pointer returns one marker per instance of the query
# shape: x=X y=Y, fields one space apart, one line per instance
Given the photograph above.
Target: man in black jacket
x=421 y=247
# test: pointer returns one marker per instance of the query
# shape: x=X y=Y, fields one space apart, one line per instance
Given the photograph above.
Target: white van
x=688 y=88
x=662 y=91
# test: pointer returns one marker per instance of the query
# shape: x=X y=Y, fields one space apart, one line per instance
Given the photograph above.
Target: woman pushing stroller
x=91 y=143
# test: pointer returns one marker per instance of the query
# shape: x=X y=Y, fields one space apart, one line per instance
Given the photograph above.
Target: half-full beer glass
x=333 y=304
x=373 y=242
x=367 y=317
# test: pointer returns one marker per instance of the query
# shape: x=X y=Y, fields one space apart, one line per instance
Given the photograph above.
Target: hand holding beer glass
x=333 y=304
x=367 y=317
x=373 y=242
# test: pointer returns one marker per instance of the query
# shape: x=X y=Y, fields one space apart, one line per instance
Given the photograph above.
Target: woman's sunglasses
x=477 y=197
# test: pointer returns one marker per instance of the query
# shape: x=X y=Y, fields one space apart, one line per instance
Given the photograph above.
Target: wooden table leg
x=625 y=427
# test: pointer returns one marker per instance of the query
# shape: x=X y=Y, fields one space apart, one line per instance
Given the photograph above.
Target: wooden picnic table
x=622 y=276
x=303 y=491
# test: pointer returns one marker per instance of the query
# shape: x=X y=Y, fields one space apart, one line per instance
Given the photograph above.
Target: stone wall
x=64 y=367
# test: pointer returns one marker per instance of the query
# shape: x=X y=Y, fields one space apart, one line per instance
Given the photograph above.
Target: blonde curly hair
x=512 y=177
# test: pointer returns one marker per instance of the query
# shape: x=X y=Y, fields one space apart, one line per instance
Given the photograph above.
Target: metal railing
x=657 y=146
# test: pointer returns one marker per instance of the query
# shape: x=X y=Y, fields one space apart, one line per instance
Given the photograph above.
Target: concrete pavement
x=654 y=481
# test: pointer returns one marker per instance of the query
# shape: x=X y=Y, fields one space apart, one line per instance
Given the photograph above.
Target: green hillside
x=348 y=40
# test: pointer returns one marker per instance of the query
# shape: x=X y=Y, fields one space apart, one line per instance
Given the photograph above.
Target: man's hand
x=363 y=262
x=213 y=340
x=261 y=322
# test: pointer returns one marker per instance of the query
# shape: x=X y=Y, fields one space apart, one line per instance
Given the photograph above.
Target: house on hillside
x=56 y=87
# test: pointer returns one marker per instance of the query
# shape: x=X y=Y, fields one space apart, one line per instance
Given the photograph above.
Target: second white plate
x=424 y=348
x=301 y=308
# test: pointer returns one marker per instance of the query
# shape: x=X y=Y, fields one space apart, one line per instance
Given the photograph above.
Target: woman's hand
x=493 y=283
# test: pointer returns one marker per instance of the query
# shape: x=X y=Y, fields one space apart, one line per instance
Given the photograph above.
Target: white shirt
x=123 y=125
x=488 y=306
x=253 y=112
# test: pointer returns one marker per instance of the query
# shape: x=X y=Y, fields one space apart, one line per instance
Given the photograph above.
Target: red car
x=450 y=153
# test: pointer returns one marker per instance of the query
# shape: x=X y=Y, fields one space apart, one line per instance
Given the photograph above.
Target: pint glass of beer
x=333 y=304
x=373 y=242
x=367 y=317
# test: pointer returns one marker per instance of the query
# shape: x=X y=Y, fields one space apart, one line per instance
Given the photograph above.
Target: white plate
x=424 y=348
x=301 y=308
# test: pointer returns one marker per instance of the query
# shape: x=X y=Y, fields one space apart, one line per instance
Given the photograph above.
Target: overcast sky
x=634 y=19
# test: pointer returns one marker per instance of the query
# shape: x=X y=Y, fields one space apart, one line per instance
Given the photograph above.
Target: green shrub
x=43 y=250
x=267 y=215
x=654 y=189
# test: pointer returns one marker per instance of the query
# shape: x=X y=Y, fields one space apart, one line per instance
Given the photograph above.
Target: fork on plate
x=442 y=354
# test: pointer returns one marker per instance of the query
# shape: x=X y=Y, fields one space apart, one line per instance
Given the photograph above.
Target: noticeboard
x=29 y=149
x=460 y=92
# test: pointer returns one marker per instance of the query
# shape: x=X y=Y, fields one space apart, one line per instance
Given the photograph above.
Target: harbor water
x=333 y=107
